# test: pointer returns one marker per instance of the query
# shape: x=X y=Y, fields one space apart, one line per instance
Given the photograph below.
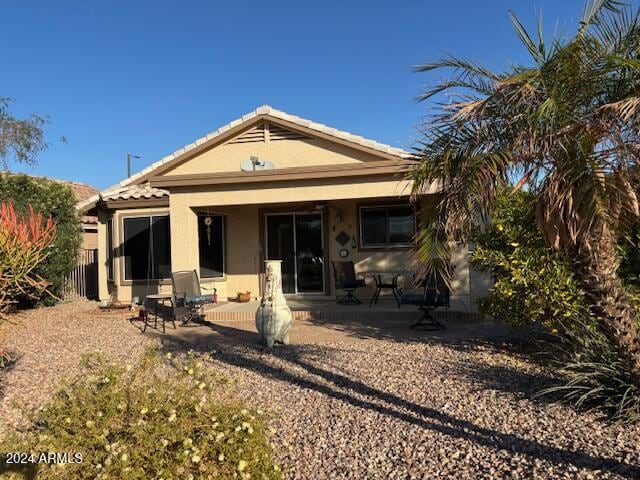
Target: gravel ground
x=361 y=410
x=48 y=344
x=387 y=410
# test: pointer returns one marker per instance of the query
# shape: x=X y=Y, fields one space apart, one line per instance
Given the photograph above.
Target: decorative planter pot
x=273 y=317
x=244 y=297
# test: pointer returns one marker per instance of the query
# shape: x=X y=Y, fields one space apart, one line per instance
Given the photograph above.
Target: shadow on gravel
x=237 y=351
x=508 y=380
x=8 y=366
x=396 y=327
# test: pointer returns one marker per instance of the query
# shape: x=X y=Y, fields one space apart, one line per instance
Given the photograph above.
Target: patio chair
x=187 y=296
x=344 y=274
x=435 y=294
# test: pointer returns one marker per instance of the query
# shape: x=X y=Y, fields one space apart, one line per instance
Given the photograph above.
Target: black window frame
x=200 y=216
x=150 y=218
x=388 y=243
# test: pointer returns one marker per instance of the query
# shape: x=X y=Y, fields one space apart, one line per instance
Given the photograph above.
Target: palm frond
x=567 y=123
x=594 y=11
x=536 y=49
x=627 y=108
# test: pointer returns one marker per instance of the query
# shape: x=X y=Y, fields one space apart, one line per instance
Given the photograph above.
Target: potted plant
x=244 y=297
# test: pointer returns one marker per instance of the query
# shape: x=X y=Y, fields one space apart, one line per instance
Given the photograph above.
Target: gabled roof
x=262 y=112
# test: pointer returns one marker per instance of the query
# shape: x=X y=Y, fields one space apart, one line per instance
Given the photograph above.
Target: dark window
x=387 y=226
x=147 y=248
x=110 y=249
x=161 y=247
x=211 y=245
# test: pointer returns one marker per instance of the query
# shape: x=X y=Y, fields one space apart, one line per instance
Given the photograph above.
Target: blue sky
x=148 y=77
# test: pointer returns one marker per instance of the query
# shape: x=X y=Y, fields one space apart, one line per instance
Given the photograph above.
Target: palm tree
x=568 y=128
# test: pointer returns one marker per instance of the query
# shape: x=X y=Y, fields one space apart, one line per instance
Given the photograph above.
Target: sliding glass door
x=296 y=239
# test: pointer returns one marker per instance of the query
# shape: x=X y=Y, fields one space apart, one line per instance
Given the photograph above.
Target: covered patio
x=322 y=320
x=327 y=309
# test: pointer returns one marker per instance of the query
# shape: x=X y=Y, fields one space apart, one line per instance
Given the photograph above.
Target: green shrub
x=532 y=285
x=163 y=418
x=56 y=200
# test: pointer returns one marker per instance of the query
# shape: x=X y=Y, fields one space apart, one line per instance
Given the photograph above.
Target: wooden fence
x=82 y=282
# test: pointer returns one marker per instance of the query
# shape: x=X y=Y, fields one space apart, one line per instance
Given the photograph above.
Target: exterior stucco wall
x=241 y=238
x=283 y=153
x=89 y=239
x=118 y=288
x=287 y=192
x=242 y=206
x=402 y=259
x=103 y=284
x=243 y=248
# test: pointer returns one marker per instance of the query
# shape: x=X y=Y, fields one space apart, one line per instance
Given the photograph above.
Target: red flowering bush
x=24 y=244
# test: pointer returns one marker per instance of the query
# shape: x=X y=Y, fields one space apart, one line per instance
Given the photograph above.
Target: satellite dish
x=254 y=164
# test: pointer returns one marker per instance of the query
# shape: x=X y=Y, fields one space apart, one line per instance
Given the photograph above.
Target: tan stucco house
x=268 y=185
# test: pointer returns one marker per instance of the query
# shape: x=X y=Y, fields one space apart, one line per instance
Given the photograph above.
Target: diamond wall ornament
x=343 y=238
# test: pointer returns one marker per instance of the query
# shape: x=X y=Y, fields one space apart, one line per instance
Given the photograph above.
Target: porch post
x=103 y=289
x=184 y=235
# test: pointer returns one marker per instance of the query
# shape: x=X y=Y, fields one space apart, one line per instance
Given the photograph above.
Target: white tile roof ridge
x=261 y=110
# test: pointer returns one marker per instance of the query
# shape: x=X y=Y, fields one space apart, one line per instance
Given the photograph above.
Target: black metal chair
x=344 y=274
x=187 y=296
x=435 y=294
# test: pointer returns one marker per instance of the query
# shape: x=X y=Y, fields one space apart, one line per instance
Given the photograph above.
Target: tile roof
x=81 y=191
x=278 y=114
x=264 y=110
x=134 y=192
x=89 y=220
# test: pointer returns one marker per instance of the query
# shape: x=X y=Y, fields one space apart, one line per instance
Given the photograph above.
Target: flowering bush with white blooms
x=164 y=418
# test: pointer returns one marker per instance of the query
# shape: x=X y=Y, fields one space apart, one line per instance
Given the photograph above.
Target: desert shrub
x=25 y=243
x=163 y=418
x=5 y=358
x=532 y=285
x=56 y=200
x=592 y=374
